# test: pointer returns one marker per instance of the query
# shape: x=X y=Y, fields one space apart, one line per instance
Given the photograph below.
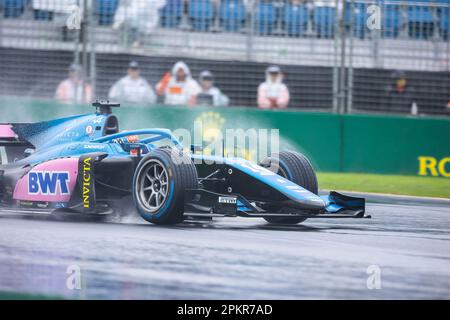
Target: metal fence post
x=76 y=39
x=1 y=28
x=350 y=59
x=342 y=71
x=447 y=56
x=336 y=62
x=92 y=53
x=85 y=39
x=251 y=31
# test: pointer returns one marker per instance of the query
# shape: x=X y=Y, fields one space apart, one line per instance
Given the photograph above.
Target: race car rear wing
x=12 y=148
x=9 y=138
x=6 y=132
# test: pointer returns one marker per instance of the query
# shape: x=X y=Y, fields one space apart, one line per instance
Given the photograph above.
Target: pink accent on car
x=6 y=131
x=52 y=181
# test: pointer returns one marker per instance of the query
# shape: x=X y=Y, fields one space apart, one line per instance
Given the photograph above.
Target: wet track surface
x=233 y=258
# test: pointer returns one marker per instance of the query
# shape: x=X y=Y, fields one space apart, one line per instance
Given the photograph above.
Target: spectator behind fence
x=138 y=17
x=178 y=87
x=209 y=94
x=132 y=88
x=273 y=93
x=74 y=89
x=400 y=95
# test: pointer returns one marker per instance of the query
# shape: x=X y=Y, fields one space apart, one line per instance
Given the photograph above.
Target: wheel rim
x=153 y=185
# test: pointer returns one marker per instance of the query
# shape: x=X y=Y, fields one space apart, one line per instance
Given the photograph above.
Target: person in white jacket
x=132 y=88
x=74 y=89
x=139 y=17
x=210 y=95
x=273 y=93
x=178 y=87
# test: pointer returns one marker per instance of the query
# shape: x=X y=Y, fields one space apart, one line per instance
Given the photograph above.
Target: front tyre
x=296 y=168
x=159 y=185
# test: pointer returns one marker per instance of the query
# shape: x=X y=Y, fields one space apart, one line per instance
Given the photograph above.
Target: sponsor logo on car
x=228 y=200
x=67 y=135
x=94 y=146
x=87 y=177
x=48 y=183
x=89 y=130
x=42 y=205
x=97 y=120
x=25 y=204
x=32 y=204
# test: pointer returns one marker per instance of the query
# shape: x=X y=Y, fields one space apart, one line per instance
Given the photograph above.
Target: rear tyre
x=159 y=183
x=296 y=168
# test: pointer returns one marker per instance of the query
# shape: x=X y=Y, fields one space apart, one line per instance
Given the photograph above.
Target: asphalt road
x=233 y=258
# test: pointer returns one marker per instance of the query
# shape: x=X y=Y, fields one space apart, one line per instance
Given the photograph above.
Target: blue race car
x=84 y=166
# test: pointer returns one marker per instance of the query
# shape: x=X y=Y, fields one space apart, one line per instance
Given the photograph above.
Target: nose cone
x=306 y=199
x=297 y=195
x=314 y=203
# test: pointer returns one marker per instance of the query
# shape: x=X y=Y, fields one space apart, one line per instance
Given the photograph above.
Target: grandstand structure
x=338 y=55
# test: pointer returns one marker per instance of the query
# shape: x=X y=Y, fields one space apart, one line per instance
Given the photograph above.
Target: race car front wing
x=201 y=202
